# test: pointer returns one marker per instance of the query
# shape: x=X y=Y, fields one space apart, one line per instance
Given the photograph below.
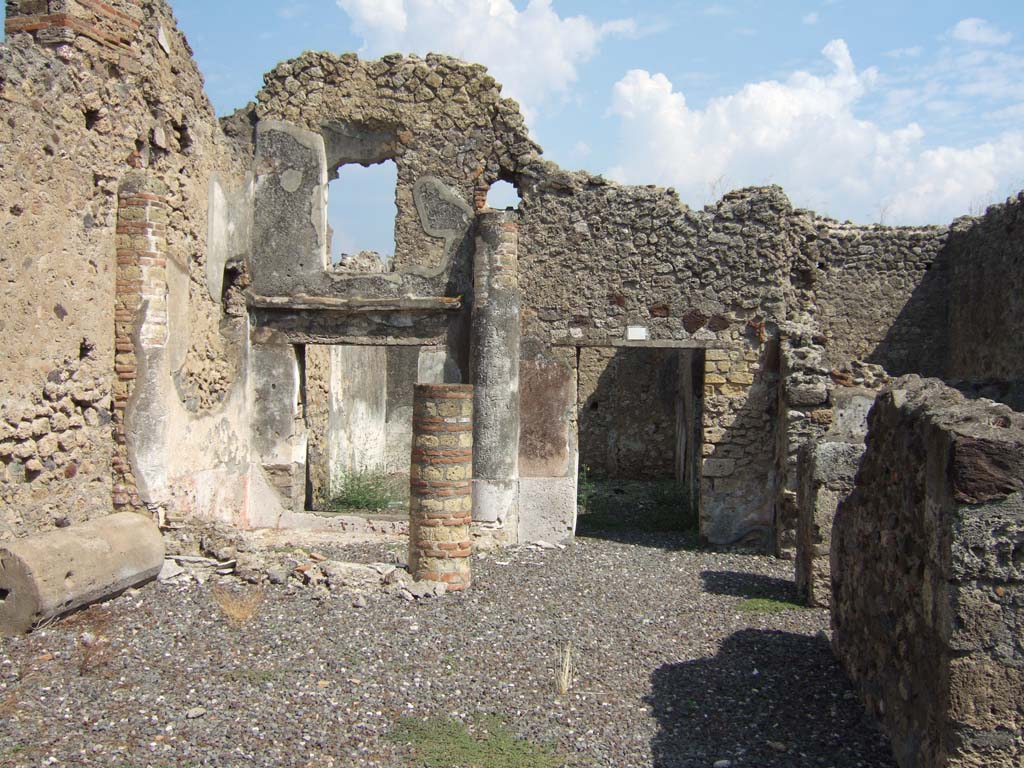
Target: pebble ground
x=669 y=669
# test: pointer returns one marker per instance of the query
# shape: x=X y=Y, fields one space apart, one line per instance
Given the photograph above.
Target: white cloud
x=291 y=10
x=811 y=18
x=979 y=32
x=381 y=17
x=905 y=53
x=718 y=10
x=803 y=133
x=534 y=52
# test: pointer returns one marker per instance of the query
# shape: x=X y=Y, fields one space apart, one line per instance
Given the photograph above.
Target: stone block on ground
x=48 y=575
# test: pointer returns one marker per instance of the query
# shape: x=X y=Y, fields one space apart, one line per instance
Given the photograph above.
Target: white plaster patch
x=291 y=180
x=161 y=38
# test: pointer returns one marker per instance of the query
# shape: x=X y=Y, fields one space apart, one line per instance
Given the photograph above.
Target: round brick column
x=440 y=498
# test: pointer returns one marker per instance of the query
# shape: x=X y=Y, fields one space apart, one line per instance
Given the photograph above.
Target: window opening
x=502 y=195
x=361 y=214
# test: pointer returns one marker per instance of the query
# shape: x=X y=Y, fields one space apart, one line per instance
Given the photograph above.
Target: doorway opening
x=640 y=422
x=358 y=421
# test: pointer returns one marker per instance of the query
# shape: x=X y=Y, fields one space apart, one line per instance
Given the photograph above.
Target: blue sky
x=895 y=112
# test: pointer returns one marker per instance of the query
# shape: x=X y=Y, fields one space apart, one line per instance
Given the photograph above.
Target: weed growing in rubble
x=238 y=607
x=366 y=489
x=567 y=671
x=485 y=743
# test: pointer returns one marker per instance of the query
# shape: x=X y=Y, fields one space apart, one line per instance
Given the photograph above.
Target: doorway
x=640 y=430
x=357 y=412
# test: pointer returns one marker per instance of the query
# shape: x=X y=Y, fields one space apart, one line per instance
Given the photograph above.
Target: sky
x=876 y=111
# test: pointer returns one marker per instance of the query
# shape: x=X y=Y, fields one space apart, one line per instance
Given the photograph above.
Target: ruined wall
x=804 y=414
x=91 y=92
x=986 y=263
x=594 y=259
x=716 y=278
x=317 y=372
x=878 y=293
x=358 y=413
x=928 y=584
x=435 y=117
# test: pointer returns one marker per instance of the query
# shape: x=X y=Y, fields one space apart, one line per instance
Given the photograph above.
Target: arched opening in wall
x=640 y=422
x=361 y=215
x=503 y=195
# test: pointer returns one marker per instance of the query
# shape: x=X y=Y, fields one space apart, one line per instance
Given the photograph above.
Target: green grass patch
x=365 y=489
x=635 y=505
x=767 y=605
x=486 y=743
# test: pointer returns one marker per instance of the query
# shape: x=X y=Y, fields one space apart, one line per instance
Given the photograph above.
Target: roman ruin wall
x=879 y=294
x=627 y=412
x=986 y=301
x=928 y=576
x=91 y=93
x=599 y=267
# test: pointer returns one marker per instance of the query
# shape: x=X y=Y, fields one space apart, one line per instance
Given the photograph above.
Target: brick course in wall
x=107 y=29
x=140 y=310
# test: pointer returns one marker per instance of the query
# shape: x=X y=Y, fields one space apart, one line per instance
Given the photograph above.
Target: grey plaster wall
x=402 y=374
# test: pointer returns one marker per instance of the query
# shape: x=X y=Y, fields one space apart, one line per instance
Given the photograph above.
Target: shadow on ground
x=649 y=513
x=768 y=699
x=749 y=585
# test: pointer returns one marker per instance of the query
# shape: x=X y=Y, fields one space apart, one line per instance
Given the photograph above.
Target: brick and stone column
x=140 y=309
x=440 y=500
x=494 y=370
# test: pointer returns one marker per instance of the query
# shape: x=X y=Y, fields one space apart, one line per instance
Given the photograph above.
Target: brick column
x=440 y=500
x=140 y=308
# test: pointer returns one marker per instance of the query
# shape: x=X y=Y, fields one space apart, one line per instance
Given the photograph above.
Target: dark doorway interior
x=640 y=434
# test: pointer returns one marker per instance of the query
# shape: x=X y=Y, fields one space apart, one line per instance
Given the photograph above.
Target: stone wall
x=91 y=92
x=599 y=265
x=435 y=117
x=595 y=258
x=358 y=413
x=986 y=262
x=927 y=576
x=825 y=475
x=804 y=413
x=879 y=293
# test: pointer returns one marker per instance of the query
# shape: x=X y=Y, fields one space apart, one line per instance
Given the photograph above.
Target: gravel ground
x=669 y=670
